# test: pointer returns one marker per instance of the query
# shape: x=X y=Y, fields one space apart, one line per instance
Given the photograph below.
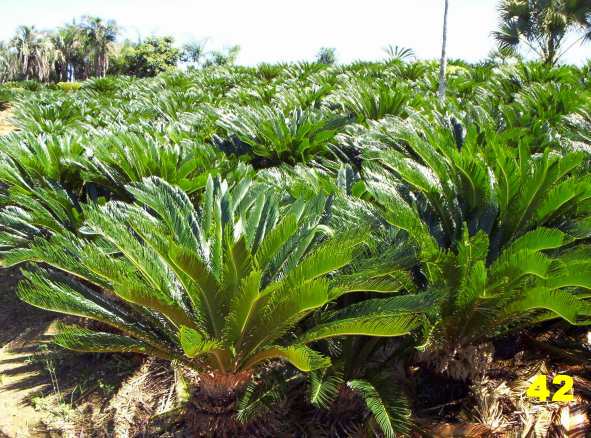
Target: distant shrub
x=106 y=85
x=8 y=94
x=26 y=85
x=457 y=70
x=68 y=86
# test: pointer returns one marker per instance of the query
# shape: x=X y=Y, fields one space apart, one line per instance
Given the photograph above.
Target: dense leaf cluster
x=233 y=219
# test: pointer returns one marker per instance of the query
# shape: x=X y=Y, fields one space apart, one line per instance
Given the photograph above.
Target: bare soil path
x=22 y=327
x=5 y=125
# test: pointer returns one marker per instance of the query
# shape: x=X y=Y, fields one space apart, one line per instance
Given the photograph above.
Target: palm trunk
x=443 y=63
x=551 y=59
x=212 y=408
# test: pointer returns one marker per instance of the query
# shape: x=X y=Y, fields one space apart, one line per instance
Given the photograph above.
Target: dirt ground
x=5 y=126
x=21 y=324
x=93 y=388
x=23 y=327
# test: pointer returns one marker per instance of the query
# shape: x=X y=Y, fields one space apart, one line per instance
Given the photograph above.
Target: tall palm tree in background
x=44 y=56
x=443 y=63
x=543 y=26
x=100 y=38
x=193 y=52
x=35 y=53
x=68 y=41
x=7 y=62
x=23 y=42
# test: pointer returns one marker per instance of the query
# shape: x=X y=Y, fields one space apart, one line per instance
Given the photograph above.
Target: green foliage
x=397 y=53
x=152 y=56
x=69 y=86
x=543 y=26
x=386 y=409
x=217 y=287
x=326 y=56
x=337 y=218
x=222 y=57
x=487 y=228
x=373 y=103
x=297 y=137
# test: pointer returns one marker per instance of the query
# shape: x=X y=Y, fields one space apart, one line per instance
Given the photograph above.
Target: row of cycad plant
x=327 y=232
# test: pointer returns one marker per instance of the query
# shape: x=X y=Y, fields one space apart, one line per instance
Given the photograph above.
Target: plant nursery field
x=298 y=250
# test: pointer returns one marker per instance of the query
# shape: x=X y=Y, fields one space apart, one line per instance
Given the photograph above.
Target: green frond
x=395 y=281
x=81 y=339
x=275 y=239
x=564 y=304
x=380 y=325
x=264 y=395
x=41 y=291
x=195 y=344
x=391 y=416
x=540 y=239
x=204 y=287
x=300 y=356
x=243 y=306
x=392 y=306
x=324 y=387
x=285 y=309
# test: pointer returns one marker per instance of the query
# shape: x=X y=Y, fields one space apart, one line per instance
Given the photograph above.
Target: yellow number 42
x=539 y=388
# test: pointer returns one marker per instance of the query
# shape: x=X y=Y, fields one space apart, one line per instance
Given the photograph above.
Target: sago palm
x=125 y=157
x=274 y=137
x=494 y=230
x=365 y=102
x=217 y=289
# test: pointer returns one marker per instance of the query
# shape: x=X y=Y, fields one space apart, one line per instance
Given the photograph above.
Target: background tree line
x=89 y=47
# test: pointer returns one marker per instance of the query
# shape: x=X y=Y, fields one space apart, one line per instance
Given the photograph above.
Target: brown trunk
x=346 y=413
x=211 y=411
x=212 y=408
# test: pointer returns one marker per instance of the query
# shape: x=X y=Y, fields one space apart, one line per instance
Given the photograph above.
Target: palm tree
x=100 y=37
x=216 y=289
x=326 y=55
x=23 y=42
x=7 y=63
x=194 y=52
x=35 y=53
x=543 y=26
x=443 y=62
x=398 y=53
x=45 y=56
x=68 y=40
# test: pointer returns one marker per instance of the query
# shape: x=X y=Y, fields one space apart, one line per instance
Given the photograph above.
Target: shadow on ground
x=16 y=317
x=33 y=368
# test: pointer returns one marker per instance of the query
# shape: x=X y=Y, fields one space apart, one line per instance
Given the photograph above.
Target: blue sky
x=286 y=30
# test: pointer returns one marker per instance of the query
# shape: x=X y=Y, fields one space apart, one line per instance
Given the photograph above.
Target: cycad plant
x=274 y=137
x=41 y=187
x=125 y=157
x=360 y=386
x=373 y=103
x=495 y=232
x=52 y=115
x=217 y=289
